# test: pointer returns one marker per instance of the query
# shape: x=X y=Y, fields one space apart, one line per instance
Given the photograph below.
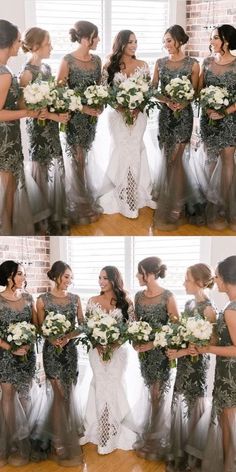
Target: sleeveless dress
x=15 y=411
x=114 y=394
x=61 y=425
x=155 y=370
x=189 y=400
x=80 y=133
x=127 y=183
x=17 y=220
x=217 y=137
x=173 y=188
x=46 y=159
x=224 y=397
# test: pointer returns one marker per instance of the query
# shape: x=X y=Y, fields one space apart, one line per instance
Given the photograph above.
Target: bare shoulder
x=141 y=63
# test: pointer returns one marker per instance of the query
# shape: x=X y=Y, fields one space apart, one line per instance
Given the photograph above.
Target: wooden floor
x=121 y=461
x=118 y=225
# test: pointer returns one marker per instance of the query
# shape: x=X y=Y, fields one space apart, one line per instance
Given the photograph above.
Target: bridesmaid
x=12 y=220
x=62 y=424
x=220 y=450
x=81 y=69
x=157 y=306
x=220 y=140
x=108 y=405
x=174 y=133
x=190 y=390
x=15 y=376
x=44 y=142
x=127 y=182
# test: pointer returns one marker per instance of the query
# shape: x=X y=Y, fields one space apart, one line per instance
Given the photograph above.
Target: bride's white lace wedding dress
x=127 y=182
x=116 y=402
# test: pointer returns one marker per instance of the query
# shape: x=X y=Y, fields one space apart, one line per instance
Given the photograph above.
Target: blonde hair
x=33 y=37
x=202 y=273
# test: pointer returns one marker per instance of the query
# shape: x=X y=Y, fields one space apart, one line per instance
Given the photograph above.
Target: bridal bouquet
x=131 y=93
x=171 y=336
x=20 y=334
x=54 y=326
x=180 y=90
x=103 y=329
x=214 y=97
x=95 y=96
x=198 y=331
x=37 y=95
x=64 y=99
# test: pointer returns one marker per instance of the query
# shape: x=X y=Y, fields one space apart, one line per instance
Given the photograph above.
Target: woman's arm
x=172 y=309
x=11 y=115
x=195 y=76
x=40 y=311
x=224 y=351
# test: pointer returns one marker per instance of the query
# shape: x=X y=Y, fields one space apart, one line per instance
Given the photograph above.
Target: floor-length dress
x=80 y=134
x=15 y=212
x=154 y=442
x=47 y=164
x=220 y=197
x=16 y=402
x=61 y=426
x=173 y=189
x=127 y=183
x=108 y=419
x=190 y=400
x=223 y=420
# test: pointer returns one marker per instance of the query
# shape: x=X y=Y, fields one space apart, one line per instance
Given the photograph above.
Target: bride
x=126 y=185
x=117 y=390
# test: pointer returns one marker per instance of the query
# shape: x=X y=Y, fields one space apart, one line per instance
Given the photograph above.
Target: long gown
x=109 y=421
x=80 y=133
x=15 y=212
x=127 y=183
x=190 y=401
x=61 y=426
x=15 y=403
x=173 y=189
x=220 y=196
x=47 y=161
x=224 y=408
x=154 y=442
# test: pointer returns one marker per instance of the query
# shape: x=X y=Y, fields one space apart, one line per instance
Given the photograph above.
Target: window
x=87 y=255
x=147 y=18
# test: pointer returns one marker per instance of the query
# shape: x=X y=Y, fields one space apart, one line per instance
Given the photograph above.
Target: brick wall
x=34 y=252
x=200 y=13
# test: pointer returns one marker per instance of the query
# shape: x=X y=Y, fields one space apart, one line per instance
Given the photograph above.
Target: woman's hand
x=214 y=115
x=92 y=111
x=202 y=349
x=21 y=351
x=101 y=349
x=143 y=347
x=32 y=113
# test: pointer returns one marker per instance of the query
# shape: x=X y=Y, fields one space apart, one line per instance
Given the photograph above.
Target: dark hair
x=8 y=34
x=152 y=265
x=178 y=34
x=227 y=270
x=83 y=29
x=202 y=273
x=8 y=269
x=33 y=37
x=227 y=34
x=57 y=270
x=114 y=276
x=120 y=42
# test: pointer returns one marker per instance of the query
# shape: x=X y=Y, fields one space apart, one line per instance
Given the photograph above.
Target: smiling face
x=17 y=282
x=131 y=46
x=44 y=50
x=170 y=44
x=104 y=282
x=216 y=43
x=65 y=280
x=219 y=282
x=191 y=286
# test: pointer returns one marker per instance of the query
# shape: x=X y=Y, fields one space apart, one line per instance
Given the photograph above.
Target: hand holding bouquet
x=21 y=334
x=55 y=325
x=95 y=96
x=131 y=94
x=180 y=90
x=198 y=331
x=64 y=99
x=215 y=98
x=37 y=96
x=170 y=336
